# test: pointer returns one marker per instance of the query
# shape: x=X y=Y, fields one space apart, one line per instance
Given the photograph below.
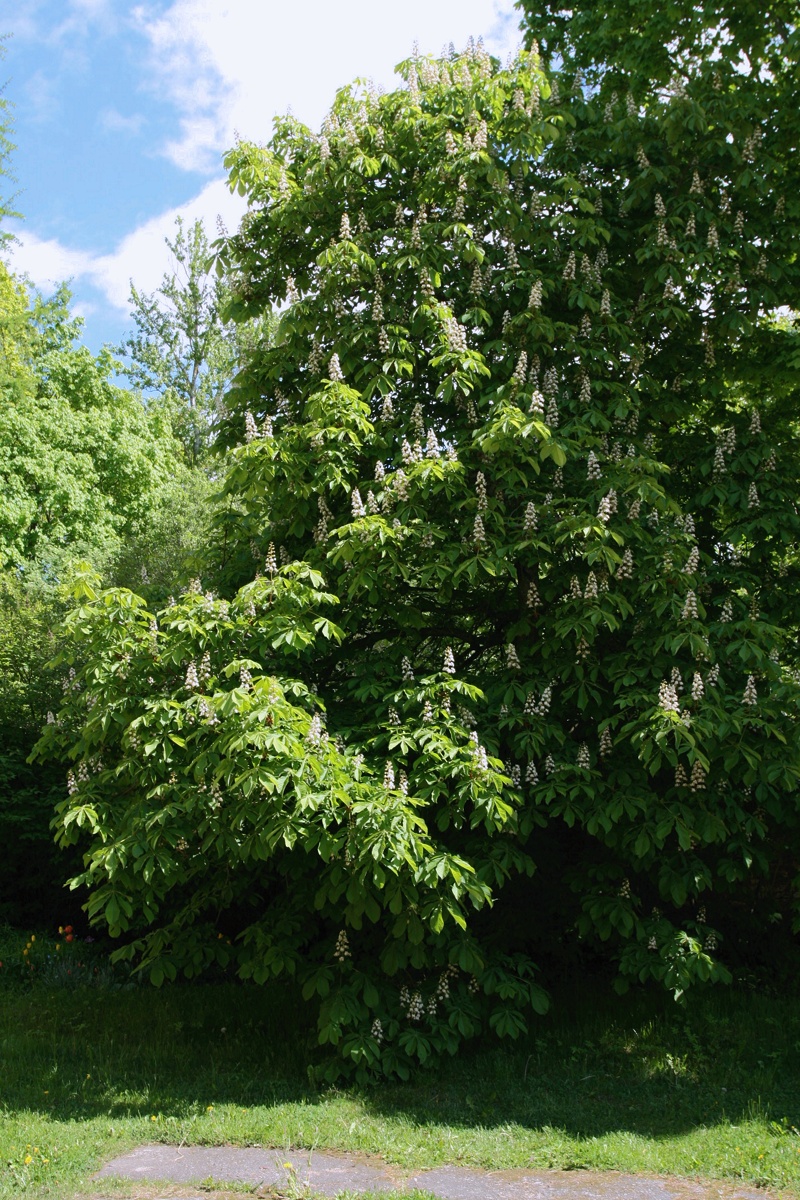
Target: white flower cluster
x=551 y=417
x=449 y=664
x=712 y=678
x=191 y=681
x=357 y=504
x=536 y=406
x=376 y=1030
x=584 y=760
x=325 y=515
x=689 y=610
x=315 y=731
x=541 y=707
x=482 y=762
x=388 y=776
x=478 y=532
x=607 y=506
x=549 y=765
x=520 y=371
x=625 y=568
x=245 y=679
x=456 y=335
x=515 y=775
x=697 y=686
x=250 y=428
x=697 y=781
x=593 y=467
x=605 y=742
x=407 y=670
x=532 y=599
x=443 y=986
x=271 y=563
x=693 y=561
x=341 y=950
x=415 y=1008
x=512 y=658
x=535 y=297
x=750 y=698
x=480 y=491
x=752 y=497
x=531 y=518
x=531 y=774
x=334 y=369
x=668 y=697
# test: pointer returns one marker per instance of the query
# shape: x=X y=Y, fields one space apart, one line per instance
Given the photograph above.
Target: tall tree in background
x=182 y=352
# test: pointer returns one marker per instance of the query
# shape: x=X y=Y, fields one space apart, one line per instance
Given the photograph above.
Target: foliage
x=507 y=438
x=182 y=352
x=84 y=468
x=159 y=549
x=34 y=869
x=80 y=458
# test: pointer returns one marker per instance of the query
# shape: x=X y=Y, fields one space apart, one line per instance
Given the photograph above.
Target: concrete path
x=328 y=1174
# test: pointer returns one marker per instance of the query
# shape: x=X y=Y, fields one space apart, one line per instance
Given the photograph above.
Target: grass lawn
x=87 y=1071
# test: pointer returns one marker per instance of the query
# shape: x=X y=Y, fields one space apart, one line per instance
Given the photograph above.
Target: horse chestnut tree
x=493 y=654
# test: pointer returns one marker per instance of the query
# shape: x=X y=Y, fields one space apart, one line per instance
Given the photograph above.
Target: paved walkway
x=329 y=1174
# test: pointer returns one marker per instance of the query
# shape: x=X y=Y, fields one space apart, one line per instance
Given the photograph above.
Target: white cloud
x=230 y=67
x=116 y=122
x=141 y=256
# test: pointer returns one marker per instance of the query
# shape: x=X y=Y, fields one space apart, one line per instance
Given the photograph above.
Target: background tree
x=503 y=437
x=182 y=353
x=33 y=868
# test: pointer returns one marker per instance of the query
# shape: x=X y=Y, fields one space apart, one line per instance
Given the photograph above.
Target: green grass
x=88 y=1070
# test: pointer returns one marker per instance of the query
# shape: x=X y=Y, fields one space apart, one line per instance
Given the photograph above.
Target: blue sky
x=123 y=110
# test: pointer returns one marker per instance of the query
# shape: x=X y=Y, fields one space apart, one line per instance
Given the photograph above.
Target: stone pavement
x=328 y=1174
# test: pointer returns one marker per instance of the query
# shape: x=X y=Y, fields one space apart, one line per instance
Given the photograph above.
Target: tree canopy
x=493 y=659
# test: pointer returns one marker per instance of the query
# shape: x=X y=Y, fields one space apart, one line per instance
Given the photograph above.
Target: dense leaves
x=80 y=459
x=509 y=559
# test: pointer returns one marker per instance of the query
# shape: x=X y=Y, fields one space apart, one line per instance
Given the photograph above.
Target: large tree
x=503 y=663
